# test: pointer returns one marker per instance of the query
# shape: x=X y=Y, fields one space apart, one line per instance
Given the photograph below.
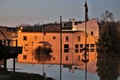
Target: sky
x=16 y=12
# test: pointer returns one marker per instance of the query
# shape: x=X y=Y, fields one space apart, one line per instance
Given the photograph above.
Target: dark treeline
x=38 y=27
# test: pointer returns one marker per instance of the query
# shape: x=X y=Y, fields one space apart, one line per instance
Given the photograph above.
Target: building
x=8 y=45
x=9 y=32
x=92 y=27
x=72 y=44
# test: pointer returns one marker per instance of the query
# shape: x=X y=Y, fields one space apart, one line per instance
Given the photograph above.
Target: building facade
x=73 y=41
x=72 y=45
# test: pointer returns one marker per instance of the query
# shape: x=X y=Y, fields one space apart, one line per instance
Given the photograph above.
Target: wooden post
x=16 y=43
x=5 y=62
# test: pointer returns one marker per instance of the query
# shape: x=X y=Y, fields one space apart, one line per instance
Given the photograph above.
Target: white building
x=92 y=27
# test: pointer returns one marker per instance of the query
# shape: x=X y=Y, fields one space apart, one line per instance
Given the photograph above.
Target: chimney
x=73 y=21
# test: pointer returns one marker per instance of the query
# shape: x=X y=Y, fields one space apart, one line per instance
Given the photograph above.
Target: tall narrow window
x=66 y=48
x=67 y=39
x=92 y=45
x=92 y=33
x=26 y=47
x=76 y=48
x=24 y=38
x=66 y=58
x=81 y=47
x=92 y=50
x=24 y=57
x=78 y=38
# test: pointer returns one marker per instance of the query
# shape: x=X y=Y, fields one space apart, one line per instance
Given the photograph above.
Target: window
x=24 y=57
x=53 y=58
x=66 y=48
x=67 y=39
x=92 y=50
x=87 y=45
x=26 y=47
x=76 y=45
x=92 y=45
x=81 y=48
x=66 y=58
x=92 y=33
x=24 y=38
x=78 y=38
x=76 y=48
x=81 y=45
x=54 y=37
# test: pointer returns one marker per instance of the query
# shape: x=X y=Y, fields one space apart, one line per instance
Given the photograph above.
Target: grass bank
x=7 y=75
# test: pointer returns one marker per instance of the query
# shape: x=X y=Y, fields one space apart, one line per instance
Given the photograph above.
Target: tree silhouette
x=107 y=16
x=108 y=58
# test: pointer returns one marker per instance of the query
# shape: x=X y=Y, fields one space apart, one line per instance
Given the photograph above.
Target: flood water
x=53 y=71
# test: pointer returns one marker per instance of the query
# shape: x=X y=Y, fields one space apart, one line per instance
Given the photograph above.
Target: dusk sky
x=16 y=12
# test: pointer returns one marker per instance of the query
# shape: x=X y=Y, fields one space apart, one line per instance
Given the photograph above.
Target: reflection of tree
x=43 y=53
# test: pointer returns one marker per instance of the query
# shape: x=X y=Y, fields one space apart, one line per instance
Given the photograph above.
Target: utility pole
x=85 y=49
x=60 y=47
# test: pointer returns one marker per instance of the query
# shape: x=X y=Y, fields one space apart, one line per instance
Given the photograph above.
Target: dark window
x=54 y=37
x=25 y=38
x=92 y=45
x=92 y=50
x=67 y=39
x=53 y=58
x=66 y=58
x=81 y=45
x=76 y=45
x=66 y=48
x=76 y=48
x=26 y=47
x=78 y=38
x=81 y=50
x=92 y=33
x=24 y=57
x=87 y=45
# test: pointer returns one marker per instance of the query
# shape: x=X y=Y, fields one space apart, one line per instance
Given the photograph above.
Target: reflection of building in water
x=73 y=37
